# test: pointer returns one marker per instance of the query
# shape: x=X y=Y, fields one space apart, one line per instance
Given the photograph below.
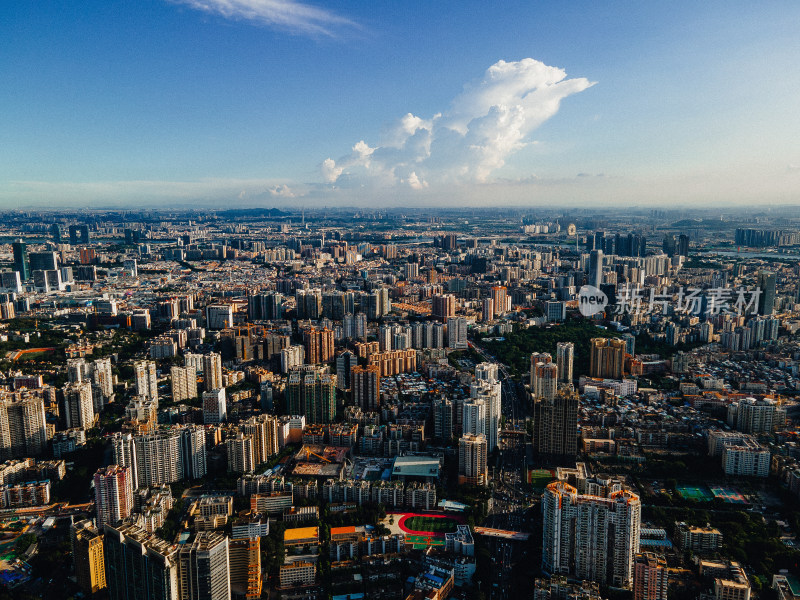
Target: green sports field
x=420 y=542
x=539 y=478
x=695 y=492
x=434 y=524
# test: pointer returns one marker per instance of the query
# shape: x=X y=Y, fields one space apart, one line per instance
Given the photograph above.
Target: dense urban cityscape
x=265 y=403
x=357 y=300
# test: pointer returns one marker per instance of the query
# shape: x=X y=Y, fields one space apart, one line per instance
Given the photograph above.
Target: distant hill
x=710 y=224
x=273 y=213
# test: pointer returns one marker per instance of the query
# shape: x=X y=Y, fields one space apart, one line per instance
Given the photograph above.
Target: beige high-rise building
x=443 y=306
x=219 y=316
x=146 y=380
x=366 y=386
x=500 y=299
x=756 y=416
x=565 y=354
x=489 y=391
x=88 y=557
x=487 y=313
x=319 y=345
x=473 y=416
x=77 y=370
x=650 y=577
x=700 y=540
x=537 y=358
x=607 y=358
x=590 y=537
x=245 y=567
x=264 y=430
x=472 y=455
x=113 y=494
x=215 y=406
x=394 y=362
x=102 y=381
x=457 y=333
x=158 y=457
x=23 y=429
x=78 y=405
x=193 y=360
x=487 y=371
x=184 y=383
x=241 y=454
x=544 y=380
x=297 y=573
x=212 y=371
x=123 y=453
x=734 y=585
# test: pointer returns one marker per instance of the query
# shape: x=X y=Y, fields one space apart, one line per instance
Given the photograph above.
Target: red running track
x=402 y=522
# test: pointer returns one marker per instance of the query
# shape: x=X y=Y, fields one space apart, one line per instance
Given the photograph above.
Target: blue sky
x=273 y=102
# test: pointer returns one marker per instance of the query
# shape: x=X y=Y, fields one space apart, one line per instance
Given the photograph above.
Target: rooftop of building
x=790 y=583
x=301 y=533
x=416 y=466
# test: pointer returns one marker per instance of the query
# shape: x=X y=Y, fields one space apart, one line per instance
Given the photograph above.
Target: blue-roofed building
x=654 y=538
x=435 y=583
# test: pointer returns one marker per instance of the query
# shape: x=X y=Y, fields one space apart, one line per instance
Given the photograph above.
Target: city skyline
x=282 y=103
x=400 y=405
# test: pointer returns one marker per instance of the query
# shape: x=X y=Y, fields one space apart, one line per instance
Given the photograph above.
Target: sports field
x=28 y=353
x=440 y=525
x=539 y=478
x=729 y=495
x=422 y=524
x=695 y=492
x=420 y=542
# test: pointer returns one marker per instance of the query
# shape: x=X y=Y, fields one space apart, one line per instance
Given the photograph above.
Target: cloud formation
x=290 y=15
x=282 y=191
x=491 y=118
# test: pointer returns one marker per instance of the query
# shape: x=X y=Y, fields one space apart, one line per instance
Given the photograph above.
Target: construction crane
x=310 y=453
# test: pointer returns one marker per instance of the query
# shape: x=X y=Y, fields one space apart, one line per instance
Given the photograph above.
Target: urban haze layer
x=577 y=404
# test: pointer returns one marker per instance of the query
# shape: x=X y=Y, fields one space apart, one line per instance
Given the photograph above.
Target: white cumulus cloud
x=282 y=191
x=284 y=14
x=414 y=182
x=491 y=118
